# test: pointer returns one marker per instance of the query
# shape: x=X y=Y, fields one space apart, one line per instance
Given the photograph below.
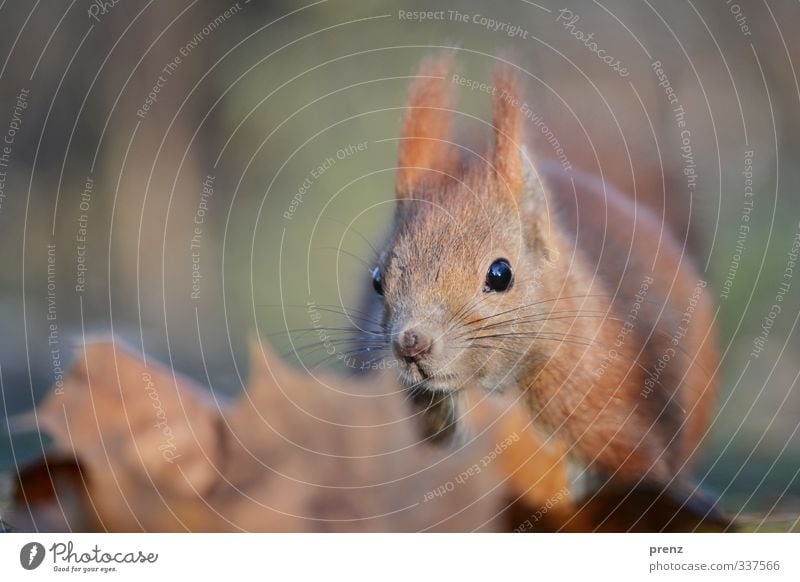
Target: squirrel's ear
x=508 y=138
x=425 y=153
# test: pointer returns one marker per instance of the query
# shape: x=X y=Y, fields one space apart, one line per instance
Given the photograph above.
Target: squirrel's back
x=660 y=312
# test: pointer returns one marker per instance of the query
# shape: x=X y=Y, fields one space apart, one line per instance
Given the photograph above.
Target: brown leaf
x=292 y=453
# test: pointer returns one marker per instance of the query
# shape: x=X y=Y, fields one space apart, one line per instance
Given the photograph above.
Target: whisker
x=540 y=335
x=341 y=355
x=353 y=330
x=467 y=306
x=309 y=349
x=573 y=340
x=536 y=303
x=368 y=318
x=485 y=347
x=544 y=316
x=355 y=230
x=471 y=307
x=367 y=265
x=338 y=309
x=369 y=363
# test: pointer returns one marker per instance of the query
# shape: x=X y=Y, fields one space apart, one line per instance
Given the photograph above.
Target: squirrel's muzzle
x=412 y=344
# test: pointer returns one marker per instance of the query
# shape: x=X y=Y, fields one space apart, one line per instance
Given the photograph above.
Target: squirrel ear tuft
x=425 y=154
x=508 y=137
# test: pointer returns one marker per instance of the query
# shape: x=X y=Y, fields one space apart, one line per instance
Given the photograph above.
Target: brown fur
x=580 y=253
x=423 y=157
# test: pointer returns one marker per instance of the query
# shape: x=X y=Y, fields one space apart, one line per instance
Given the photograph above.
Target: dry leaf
x=293 y=453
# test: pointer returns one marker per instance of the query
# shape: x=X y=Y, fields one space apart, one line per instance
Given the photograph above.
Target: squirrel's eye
x=377 y=280
x=499 y=278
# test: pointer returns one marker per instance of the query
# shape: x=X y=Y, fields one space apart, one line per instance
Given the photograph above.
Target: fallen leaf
x=292 y=453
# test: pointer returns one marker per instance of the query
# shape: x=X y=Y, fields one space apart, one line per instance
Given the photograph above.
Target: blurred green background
x=264 y=92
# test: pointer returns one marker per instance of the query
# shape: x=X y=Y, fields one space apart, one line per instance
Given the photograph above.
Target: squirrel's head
x=469 y=250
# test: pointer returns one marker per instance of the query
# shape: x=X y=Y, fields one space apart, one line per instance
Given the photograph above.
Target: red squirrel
x=507 y=272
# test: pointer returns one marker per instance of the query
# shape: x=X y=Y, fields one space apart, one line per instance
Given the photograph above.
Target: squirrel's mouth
x=418 y=376
x=437 y=409
x=434 y=393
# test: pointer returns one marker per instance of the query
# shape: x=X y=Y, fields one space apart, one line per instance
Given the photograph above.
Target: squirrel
x=510 y=273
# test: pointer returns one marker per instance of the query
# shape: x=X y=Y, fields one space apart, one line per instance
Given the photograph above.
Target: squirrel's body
x=639 y=396
x=516 y=275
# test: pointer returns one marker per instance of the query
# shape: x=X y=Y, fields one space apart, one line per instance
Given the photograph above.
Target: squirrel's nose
x=413 y=344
